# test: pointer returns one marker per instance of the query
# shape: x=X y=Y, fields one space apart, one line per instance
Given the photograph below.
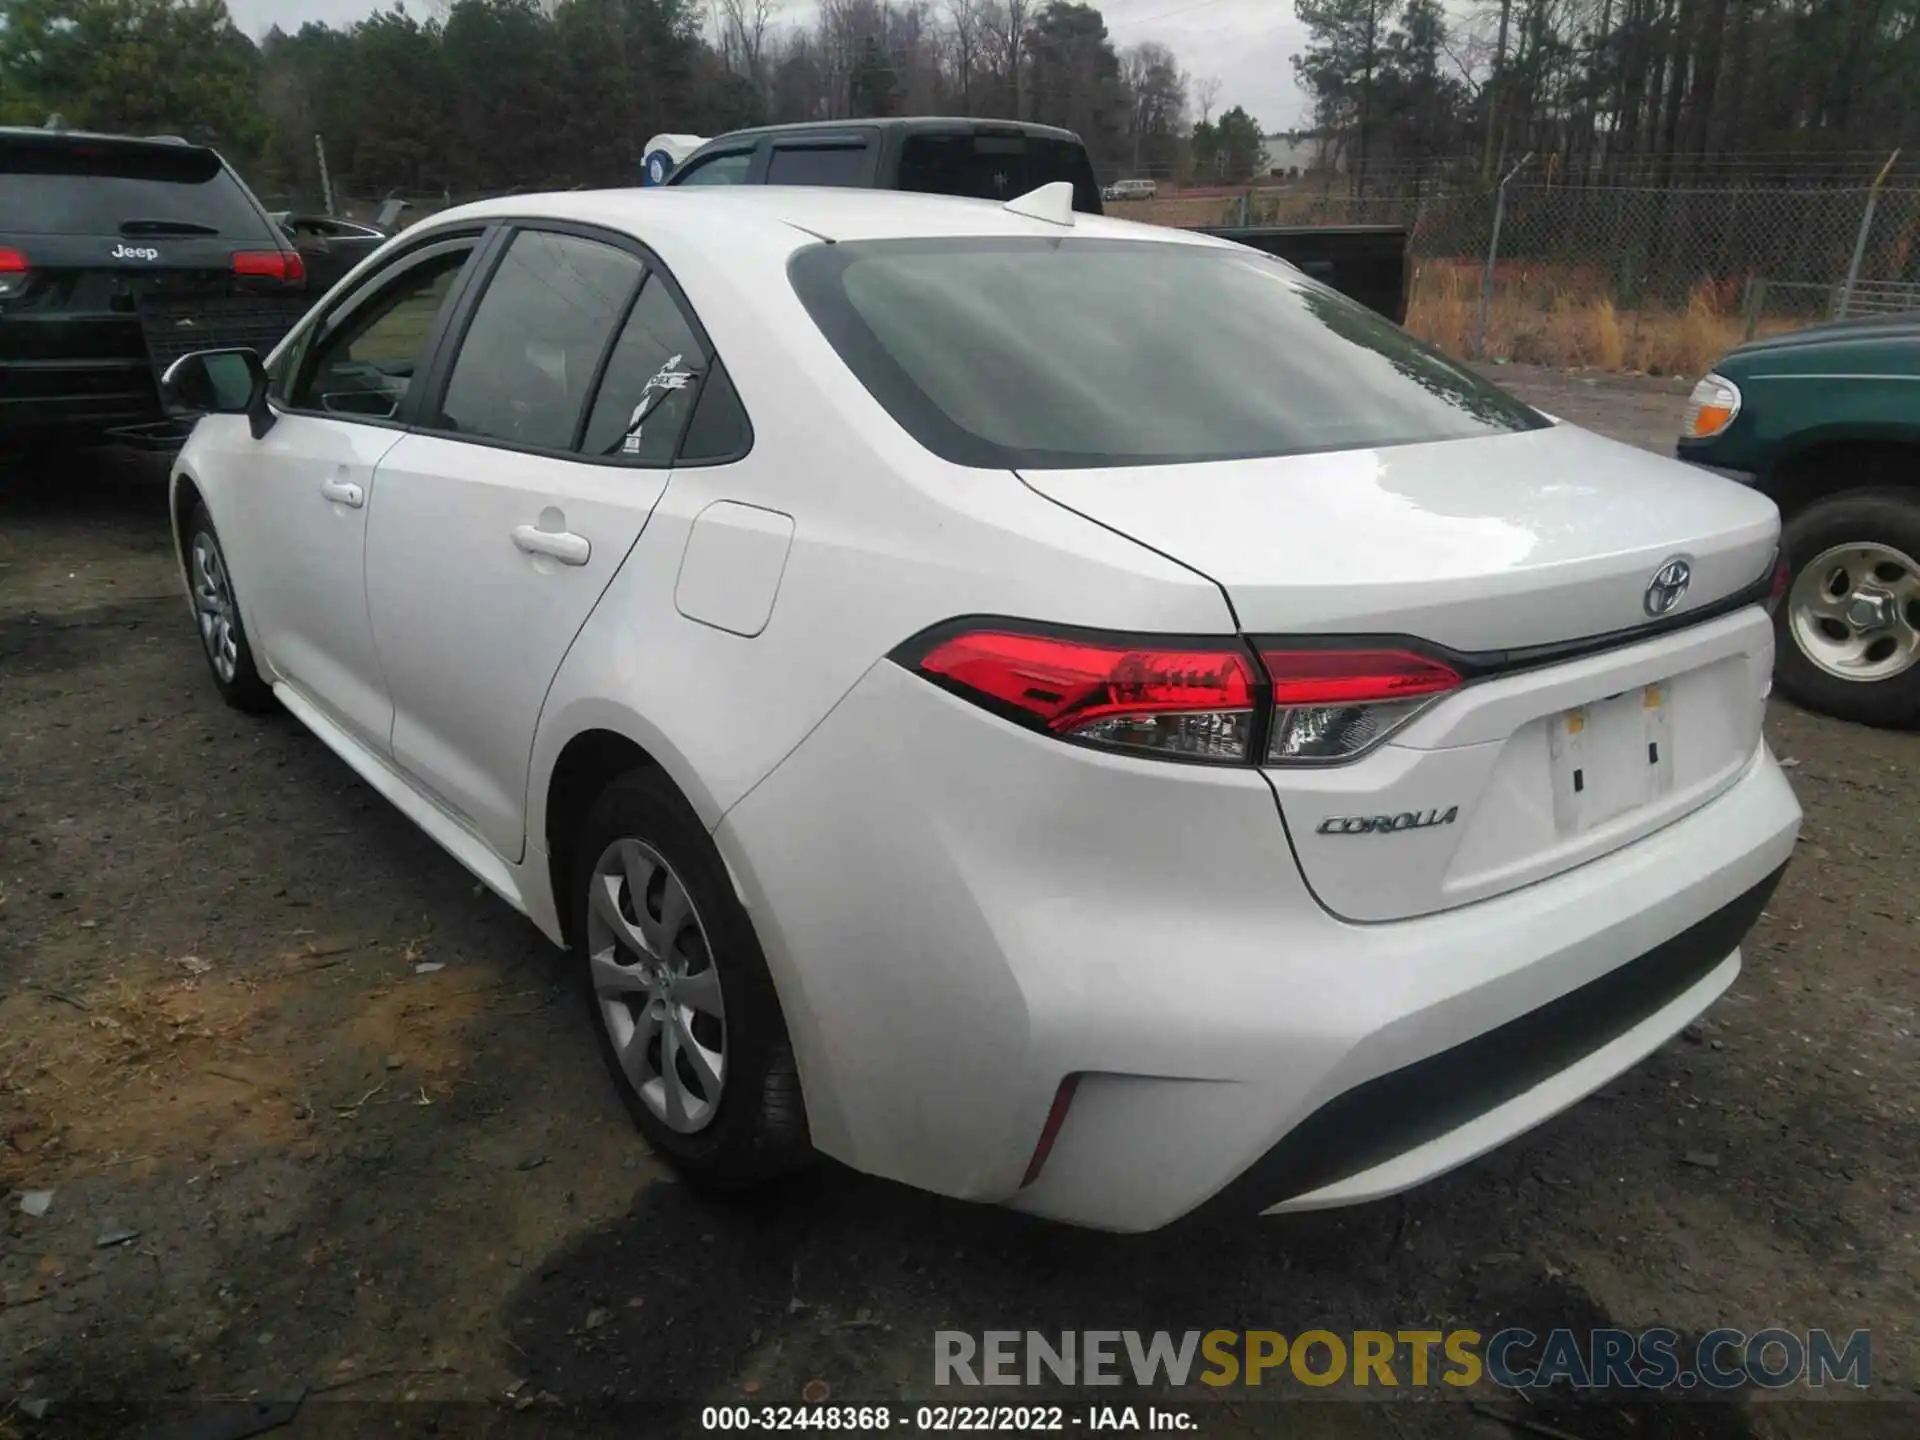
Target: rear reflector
x=282 y=265
x=13 y=271
x=1782 y=577
x=1056 y=1117
x=1194 y=700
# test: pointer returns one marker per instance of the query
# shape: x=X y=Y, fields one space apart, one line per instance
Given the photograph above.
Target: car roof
x=722 y=215
x=916 y=124
x=40 y=135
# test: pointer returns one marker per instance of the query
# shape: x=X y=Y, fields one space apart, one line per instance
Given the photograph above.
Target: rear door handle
x=345 y=491
x=562 y=545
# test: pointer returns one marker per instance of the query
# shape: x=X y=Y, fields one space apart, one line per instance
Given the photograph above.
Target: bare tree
x=966 y=17
x=1015 y=13
x=1206 y=94
x=743 y=31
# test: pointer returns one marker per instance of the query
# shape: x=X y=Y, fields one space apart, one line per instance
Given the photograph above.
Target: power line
x=1165 y=14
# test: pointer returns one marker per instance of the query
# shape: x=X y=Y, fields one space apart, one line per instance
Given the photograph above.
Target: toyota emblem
x=1669 y=583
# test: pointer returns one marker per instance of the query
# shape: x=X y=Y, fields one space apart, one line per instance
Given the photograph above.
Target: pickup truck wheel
x=683 y=1005
x=1848 y=636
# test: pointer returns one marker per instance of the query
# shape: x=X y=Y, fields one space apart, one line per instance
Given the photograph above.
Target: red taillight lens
x=1337 y=704
x=282 y=265
x=1195 y=701
x=13 y=271
x=1185 y=699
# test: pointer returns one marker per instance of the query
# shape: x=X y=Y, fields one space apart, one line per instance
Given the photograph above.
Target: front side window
x=652 y=378
x=364 y=366
x=530 y=355
x=719 y=170
x=1044 y=353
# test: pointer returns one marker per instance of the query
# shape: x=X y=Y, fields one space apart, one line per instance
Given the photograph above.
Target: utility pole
x=326 y=180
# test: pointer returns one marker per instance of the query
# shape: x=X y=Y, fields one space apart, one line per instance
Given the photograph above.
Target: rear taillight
x=1181 y=698
x=1195 y=700
x=1336 y=704
x=13 y=272
x=285 y=266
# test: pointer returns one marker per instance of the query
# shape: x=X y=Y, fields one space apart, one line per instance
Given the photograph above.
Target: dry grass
x=1543 y=316
x=1609 y=347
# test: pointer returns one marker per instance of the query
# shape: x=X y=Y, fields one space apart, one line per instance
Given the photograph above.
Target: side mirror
x=220 y=382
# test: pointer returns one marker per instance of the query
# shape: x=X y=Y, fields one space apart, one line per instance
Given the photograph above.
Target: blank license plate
x=1611 y=757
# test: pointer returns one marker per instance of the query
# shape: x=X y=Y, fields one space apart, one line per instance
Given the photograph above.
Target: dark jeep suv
x=118 y=256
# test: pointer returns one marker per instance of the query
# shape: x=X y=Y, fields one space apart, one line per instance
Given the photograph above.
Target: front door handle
x=345 y=491
x=562 y=545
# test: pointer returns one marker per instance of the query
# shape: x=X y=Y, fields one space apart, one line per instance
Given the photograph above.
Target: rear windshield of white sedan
x=1017 y=353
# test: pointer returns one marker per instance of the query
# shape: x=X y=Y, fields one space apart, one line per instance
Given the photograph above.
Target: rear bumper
x=960 y=914
x=74 y=373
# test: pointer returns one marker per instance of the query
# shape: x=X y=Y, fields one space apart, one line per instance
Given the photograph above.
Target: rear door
x=133 y=253
x=498 y=525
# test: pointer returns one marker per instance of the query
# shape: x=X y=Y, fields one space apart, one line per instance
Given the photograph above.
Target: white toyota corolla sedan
x=1054 y=711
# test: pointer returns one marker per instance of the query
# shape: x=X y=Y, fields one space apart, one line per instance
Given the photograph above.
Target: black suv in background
x=118 y=256
x=998 y=159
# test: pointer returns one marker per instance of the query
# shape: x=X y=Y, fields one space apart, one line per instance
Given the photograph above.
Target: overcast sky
x=1246 y=43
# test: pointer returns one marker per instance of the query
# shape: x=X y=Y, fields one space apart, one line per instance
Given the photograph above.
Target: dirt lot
x=289 y=1156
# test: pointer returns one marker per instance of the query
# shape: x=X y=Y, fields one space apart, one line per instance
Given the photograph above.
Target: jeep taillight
x=285 y=266
x=1183 y=698
x=13 y=272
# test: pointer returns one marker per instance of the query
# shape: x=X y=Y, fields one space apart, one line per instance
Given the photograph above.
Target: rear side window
x=719 y=429
x=843 y=165
x=652 y=378
x=530 y=355
x=74 y=188
x=996 y=167
x=1043 y=353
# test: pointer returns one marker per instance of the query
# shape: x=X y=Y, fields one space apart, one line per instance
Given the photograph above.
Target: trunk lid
x=1487 y=548
x=1530 y=538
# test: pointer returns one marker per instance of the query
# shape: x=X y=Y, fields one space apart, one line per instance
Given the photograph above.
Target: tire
x=1866 y=542
x=641 y=831
x=216 y=613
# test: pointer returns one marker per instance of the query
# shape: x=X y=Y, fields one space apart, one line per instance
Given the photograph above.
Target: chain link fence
x=1656 y=278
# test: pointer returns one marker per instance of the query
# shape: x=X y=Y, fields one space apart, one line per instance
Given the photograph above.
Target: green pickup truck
x=1827 y=422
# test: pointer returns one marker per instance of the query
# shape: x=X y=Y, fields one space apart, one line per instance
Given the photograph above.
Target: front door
x=496 y=530
x=300 y=512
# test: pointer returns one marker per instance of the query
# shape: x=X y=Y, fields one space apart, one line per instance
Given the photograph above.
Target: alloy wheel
x=657 y=989
x=213 y=604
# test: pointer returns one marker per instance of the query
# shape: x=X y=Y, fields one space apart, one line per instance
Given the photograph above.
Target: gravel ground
x=320 y=1116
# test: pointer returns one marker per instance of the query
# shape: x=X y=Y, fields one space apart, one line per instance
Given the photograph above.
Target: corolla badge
x=1668 y=585
x=134 y=252
x=1387 y=824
